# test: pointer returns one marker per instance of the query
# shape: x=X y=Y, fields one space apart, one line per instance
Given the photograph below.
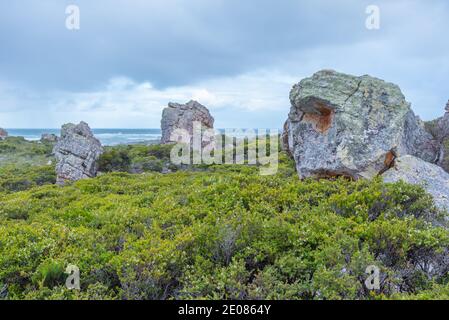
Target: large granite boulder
x=416 y=171
x=182 y=116
x=76 y=152
x=3 y=134
x=343 y=125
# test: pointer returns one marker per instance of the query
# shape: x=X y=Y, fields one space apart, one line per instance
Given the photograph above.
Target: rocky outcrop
x=416 y=171
x=284 y=139
x=76 y=152
x=343 y=125
x=49 y=137
x=3 y=134
x=182 y=116
x=439 y=129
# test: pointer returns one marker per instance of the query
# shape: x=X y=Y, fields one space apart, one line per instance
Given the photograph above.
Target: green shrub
x=18 y=151
x=160 y=151
x=15 y=178
x=114 y=160
x=135 y=158
x=226 y=233
x=49 y=274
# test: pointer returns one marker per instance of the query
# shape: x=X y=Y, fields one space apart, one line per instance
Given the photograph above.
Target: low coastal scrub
x=211 y=232
x=136 y=158
x=157 y=158
x=25 y=164
x=227 y=233
x=17 y=150
x=23 y=177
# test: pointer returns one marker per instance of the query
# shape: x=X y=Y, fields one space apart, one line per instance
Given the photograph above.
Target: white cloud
x=123 y=102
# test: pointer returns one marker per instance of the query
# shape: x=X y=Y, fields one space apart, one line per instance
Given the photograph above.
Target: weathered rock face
x=49 y=137
x=416 y=171
x=3 y=134
x=439 y=129
x=284 y=139
x=182 y=116
x=76 y=152
x=342 y=125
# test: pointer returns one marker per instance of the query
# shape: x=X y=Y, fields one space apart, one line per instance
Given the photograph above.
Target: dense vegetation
x=23 y=177
x=25 y=164
x=17 y=151
x=136 y=159
x=220 y=233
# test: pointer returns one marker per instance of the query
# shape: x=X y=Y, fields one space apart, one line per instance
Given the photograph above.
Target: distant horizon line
x=94 y=128
x=91 y=128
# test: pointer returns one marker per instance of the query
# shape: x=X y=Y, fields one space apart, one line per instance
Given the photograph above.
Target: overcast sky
x=238 y=57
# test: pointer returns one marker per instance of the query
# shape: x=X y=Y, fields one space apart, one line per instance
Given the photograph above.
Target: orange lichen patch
x=322 y=120
x=390 y=157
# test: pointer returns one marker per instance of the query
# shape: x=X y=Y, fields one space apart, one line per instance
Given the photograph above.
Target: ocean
x=107 y=137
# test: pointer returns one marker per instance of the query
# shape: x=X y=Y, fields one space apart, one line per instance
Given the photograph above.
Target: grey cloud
x=210 y=44
x=168 y=43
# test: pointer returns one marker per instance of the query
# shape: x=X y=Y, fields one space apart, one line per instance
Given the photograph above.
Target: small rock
x=76 y=152
x=49 y=137
x=416 y=171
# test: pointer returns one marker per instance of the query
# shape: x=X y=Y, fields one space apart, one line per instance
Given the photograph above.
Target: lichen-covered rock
x=416 y=171
x=182 y=116
x=343 y=125
x=49 y=137
x=3 y=134
x=76 y=152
